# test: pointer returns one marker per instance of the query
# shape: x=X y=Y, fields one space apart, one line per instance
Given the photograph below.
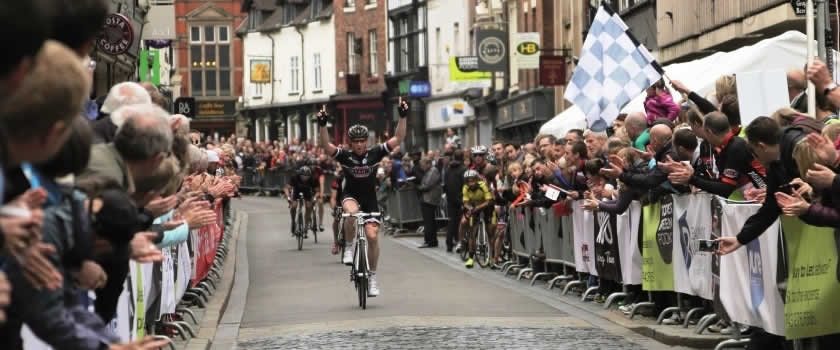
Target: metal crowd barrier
x=264 y=180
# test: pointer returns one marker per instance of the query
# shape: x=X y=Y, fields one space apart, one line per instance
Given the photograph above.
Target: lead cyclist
x=359 y=166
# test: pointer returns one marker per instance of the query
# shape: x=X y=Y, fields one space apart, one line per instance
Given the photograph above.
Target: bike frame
x=361 y=243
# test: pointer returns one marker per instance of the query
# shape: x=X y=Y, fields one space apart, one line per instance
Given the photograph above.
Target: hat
x=212 y=156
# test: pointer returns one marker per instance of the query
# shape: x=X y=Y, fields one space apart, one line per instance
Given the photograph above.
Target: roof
x=261 y=5
x=274 y=22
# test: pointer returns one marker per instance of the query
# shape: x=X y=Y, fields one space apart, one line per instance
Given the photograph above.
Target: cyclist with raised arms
x=359 y=166
x=302 y=184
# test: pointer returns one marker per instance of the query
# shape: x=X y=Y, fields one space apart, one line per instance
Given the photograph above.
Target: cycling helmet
x=358 y=132
x=479 y=151
x=304 y=171
x=470 y=174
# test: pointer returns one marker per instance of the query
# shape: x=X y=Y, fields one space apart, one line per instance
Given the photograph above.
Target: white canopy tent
x=786 y=51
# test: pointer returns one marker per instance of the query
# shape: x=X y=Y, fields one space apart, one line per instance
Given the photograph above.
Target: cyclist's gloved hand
x=322 y=117
x=403 y=108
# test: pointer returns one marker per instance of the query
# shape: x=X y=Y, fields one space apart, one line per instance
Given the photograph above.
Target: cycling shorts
x=367 y=203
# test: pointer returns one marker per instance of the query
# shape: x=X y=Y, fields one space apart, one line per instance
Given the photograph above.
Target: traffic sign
x=185 y=106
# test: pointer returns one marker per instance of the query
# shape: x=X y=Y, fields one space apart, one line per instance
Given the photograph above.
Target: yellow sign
x=260 y=71
x=211 y=108
x=528 y=48
x=458 y=75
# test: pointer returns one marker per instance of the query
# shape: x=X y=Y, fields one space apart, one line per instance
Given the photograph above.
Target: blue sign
x=419 y=89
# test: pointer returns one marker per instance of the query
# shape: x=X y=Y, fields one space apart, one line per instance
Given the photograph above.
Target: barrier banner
x=183 y=271
x=813 y=290
x=658 y=246
x=584 y=238
x=606 y=247
x=168 y=299
x=748 y=275
x=208 y=241
x=692 y=268
x=627 y=225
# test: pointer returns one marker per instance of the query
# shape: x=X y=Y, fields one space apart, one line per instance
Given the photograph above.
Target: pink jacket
x=661 y=106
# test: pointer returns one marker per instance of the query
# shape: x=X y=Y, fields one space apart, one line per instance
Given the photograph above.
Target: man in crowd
x=430 y=194
x=453 y=184
x=637 y=130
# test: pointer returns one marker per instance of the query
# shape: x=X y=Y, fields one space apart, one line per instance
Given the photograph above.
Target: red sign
x=552 y=70
x=117 y=35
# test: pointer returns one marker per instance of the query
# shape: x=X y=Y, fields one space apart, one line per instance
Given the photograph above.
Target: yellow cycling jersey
x=477 y=197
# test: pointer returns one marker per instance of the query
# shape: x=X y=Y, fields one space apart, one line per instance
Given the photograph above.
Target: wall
x=360 y=20
x=571 y=19
x=257 y=46
x=442 y=15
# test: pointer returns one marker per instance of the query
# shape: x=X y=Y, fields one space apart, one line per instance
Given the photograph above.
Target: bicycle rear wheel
x=482 y=247
x=300 y=232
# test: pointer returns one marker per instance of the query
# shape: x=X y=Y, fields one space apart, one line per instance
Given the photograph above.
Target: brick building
x=360 y=50
x=209 y=60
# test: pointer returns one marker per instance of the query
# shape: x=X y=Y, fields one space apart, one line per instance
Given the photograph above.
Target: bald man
x=653 y=177
x=636 y=126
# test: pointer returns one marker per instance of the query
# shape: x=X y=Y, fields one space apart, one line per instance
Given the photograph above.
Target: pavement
x=283 y=298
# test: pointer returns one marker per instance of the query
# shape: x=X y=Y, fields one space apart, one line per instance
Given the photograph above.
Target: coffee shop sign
x=211 y=108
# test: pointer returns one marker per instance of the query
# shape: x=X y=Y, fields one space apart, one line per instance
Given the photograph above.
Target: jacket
x=105 y=161
x=661 y=106
x=104 y=130
x=454 y=182
x=430 y=191
x=56 y=317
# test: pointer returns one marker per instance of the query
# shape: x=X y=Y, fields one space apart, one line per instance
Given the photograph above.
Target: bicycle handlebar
x=361 y=215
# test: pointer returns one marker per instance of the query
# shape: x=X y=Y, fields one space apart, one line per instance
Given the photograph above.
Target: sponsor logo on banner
x=756 y=273
x=606 y=247
x=665 y=233
x=685 y=239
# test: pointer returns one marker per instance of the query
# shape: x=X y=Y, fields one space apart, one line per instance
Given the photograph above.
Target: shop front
x=367 y=112
x=445 y=112
x=215 y=118
x=520 y=117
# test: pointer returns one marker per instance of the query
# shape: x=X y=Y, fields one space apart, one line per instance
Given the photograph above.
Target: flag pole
x=809 y=28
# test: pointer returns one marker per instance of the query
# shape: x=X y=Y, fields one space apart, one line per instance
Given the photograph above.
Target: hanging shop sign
x=117 y=35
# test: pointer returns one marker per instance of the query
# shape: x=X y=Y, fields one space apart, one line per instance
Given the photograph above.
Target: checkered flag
x=613 y=69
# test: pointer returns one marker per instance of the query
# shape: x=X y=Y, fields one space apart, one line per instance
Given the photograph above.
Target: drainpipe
x=273 y=71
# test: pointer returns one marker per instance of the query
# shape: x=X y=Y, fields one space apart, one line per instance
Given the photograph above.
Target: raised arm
x=324 y=139
x=399 y=135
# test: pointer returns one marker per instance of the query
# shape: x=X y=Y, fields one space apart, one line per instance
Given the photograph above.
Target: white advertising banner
x=692 y=268
x=748 y=276
x=629 y=253
x=584 y=238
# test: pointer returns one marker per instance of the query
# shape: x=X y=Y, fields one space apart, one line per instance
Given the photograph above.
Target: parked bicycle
x=360 y=270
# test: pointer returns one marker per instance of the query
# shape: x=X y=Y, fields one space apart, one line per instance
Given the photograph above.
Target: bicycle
x=478 y=234
x=360 y=270
x=314 y=224
x=339 y=236
x=299 y=230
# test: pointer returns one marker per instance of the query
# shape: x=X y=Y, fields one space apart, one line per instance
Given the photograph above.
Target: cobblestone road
x=448 y=338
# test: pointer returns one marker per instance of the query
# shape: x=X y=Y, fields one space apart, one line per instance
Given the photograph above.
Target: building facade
x=408 y=62
x=209 y=61
x=449 y=28
x=289 y=70
x=360 y=50
x=113 y=68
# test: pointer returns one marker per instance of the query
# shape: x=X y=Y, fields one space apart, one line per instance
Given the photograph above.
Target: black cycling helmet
x=304 y=171
x=358 y=131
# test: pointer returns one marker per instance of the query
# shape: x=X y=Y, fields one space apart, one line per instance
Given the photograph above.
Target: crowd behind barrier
x=744 y=287
x=266 y=180
x=156 y=296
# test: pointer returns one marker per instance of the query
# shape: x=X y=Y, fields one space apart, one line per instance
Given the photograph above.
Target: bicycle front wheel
x=361 y=276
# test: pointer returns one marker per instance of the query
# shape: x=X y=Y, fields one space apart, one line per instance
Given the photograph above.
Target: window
x=351 y=53
x=404 y=45
x=195 y=34
x=349 y=4
x=294 y=75
x=223 y=34
x=370 y=2
x=438 y=47
x=210 y=61
x=372 y=44
x=316 y=7
x=316 y=62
